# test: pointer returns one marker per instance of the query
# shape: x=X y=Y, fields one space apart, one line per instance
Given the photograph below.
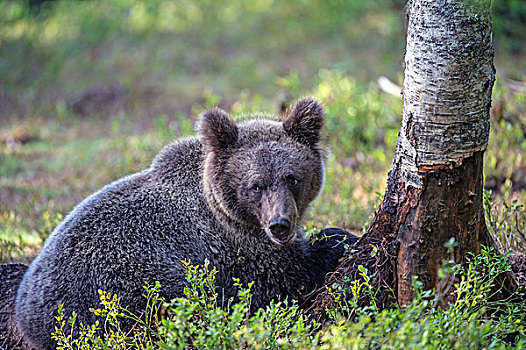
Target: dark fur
x=10 y=277
x=195 y=202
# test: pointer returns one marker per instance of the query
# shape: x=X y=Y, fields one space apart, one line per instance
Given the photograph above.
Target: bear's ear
x=217 y=131
x=305 y=121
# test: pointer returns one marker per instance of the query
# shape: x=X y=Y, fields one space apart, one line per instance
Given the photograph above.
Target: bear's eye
x=292 y=181
x=256 y=188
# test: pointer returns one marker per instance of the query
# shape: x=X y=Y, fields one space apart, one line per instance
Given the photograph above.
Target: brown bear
x=235 y=196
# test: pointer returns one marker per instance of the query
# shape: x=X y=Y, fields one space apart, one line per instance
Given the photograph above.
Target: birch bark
x=449 y=76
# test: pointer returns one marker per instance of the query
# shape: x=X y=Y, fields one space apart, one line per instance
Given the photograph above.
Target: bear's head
x=262 y=174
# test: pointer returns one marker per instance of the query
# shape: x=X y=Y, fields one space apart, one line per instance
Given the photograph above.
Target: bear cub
x=236 y=196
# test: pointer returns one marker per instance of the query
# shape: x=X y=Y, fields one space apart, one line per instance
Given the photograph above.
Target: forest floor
x=91 y=91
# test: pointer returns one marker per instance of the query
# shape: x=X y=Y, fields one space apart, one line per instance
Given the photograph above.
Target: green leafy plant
x=470 y=320
x=467 y=316
x=506 y=222
x=198 y=320
x=108 y=332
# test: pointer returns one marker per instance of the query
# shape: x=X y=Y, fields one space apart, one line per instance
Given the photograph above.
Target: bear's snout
x=280 y=230
x=280 y=227
x=279 y=216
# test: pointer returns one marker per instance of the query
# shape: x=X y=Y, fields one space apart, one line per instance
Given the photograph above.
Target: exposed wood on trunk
x=449 y=206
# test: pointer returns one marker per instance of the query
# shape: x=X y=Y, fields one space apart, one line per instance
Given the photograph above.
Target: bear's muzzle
x=280 y=231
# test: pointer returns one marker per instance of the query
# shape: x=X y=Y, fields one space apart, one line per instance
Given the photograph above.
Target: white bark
x=449 y=76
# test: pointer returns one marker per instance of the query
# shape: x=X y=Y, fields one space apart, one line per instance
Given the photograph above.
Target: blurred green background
x=91 y=90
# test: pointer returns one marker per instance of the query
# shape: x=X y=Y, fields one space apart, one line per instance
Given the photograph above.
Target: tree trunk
x=449 y=76
x=435 y=186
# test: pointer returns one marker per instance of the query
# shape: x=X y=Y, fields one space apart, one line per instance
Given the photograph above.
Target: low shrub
x=461 y=317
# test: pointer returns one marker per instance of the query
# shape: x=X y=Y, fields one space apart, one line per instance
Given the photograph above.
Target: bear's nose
x=279 y=227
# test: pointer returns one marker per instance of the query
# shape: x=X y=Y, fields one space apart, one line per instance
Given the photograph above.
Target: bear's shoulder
x=179 y=162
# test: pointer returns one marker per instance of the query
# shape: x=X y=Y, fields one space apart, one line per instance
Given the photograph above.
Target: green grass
x=172 y=60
